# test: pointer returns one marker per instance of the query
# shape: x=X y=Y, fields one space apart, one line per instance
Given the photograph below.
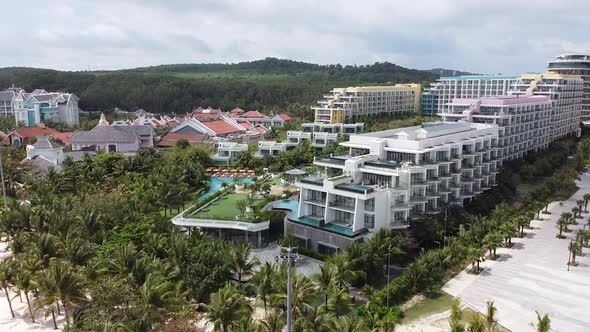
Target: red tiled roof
x=64 y=137
x=253 y=114
x=261 y=129
x=236 y=111
x=220 y=127
x=246 y=124
x=34 y=132
x=170 y=139
x=285 y=117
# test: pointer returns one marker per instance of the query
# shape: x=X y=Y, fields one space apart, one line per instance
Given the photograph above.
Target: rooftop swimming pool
x=215 y=185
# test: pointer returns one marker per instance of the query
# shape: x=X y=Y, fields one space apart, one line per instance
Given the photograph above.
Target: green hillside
x=269 y=84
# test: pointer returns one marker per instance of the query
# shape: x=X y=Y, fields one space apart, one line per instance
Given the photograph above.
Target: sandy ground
x=533 y=275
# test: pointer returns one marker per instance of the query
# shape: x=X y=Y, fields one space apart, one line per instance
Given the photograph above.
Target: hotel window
x=369 y=221
x=370 y=204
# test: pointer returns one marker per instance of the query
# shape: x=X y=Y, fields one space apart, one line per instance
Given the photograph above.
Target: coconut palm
x=350 y=324
x=474 y=254
x=302 y=293
x=575 y=212
x=456 y=316
x=574 y=249
x=543 y=322
x=6 y=282
x=490 y=317
x=339 y=302
x=561 y=226
x=586 y=200
x=316 y=319
x=325 y=280
x=273 y=322
x=59 y=284
x=25 y=284
x=343 y=271
x=476 y=323
x=263 y=282
x=227 y=307
x=492 y=241
x=508 y=230
x=240 y=261
x=567 y=216
x=579 y=204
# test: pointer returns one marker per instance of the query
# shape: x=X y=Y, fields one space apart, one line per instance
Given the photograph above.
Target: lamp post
x=569 y=256
x=287 y=258
x=3 y=185
x=388 y=269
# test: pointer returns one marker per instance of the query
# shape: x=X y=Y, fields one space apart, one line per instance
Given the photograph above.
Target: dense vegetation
x=266 y=84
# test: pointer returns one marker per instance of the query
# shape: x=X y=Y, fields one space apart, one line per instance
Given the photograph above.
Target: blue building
x=429 y=103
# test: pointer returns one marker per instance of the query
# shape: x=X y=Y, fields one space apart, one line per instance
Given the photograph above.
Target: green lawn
x=438 y=303
x=276 y=180
x=225 y=208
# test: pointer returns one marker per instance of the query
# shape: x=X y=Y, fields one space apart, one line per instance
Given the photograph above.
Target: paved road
x=533 y=276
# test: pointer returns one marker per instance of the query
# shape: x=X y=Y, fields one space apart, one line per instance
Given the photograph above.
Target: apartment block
x=575 y=64
x=429 y=102
x=390 y=177
x=295 y=138
x=470 y=86
x=42 y=106
x=227 y=152
x=524 y=121
x=336 y=128
x=566 y=93
x=269 y=148
x=358 y=102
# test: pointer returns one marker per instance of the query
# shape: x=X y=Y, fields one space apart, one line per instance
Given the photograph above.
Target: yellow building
x=358 y=102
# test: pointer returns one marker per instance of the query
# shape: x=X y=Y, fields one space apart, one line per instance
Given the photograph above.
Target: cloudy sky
x=499 y=36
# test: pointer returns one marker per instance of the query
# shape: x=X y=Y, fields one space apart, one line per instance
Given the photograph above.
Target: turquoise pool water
x=215 y=185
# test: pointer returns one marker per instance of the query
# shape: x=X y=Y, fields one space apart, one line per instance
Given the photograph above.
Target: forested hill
x=269 y=84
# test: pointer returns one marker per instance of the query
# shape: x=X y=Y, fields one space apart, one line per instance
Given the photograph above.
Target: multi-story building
x=336 y=128
x=269 y=148
x=227 y=152
x=575 y=64
x=358 y=102
x=295 y=138
x=524 y=122
x=429 y=102
x=470 y=86
x=566 y=93
x=390 y=177
x=321 y=140
x=40 y=106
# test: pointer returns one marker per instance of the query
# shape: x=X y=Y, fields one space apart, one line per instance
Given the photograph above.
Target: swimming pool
x=215 y=185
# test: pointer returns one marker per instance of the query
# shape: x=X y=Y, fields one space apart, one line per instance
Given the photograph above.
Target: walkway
x=533 y=276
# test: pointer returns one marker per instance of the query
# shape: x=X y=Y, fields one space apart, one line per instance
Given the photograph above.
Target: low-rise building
x=336 y=128
x=295 y=138
x=358 y=102
x=227 y=152
x=524 y=121
x=23 y=136
x=390 y=177
x=42 y=106
x=269 y=148
x=321 y=140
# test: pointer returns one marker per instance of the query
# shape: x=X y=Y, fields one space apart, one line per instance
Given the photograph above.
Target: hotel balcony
x=342 y=206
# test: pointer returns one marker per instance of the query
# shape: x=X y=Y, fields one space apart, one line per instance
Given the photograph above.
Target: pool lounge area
x=215 y=184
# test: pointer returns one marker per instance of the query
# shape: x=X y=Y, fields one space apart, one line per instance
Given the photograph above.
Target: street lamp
x=3 y=185
x=288 y=258
x=388 y=269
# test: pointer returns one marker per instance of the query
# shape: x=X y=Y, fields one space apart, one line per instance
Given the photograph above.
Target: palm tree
x=227 y=307
x=575 y=212
x=339 y=303
x=324 y=280
x=543 y=322
x=263 y=281
x=350 y=324
x=343 y=271
x=492 y=241
x=474 y=254
x=574 y=249
x=567 y=216
x=561 y=226
x=240 y=261
x=579 y=204
x=274 y=321
x=456 y=316
x=157 y=293
x=25 y=284
x=586 y=200
x=508 y=230
x=476 y=323
x=6 y=282
x=59 y=283
x=490 y=317
x=302 y=293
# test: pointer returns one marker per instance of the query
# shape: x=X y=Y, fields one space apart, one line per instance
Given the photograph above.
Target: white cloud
x=509 y=36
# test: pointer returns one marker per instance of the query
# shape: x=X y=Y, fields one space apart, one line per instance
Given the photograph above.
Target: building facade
x=575 y=64
x=470 y=86
x=566 y=93
x=390 y=177
x=343 y=104
x=226 y=153
x=429 y=103
x=270 y=148
x=42 y=106
x=336 y=128
x=524 y=123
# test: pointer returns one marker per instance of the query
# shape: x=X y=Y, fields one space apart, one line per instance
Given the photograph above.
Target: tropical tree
x=302 y=295
x=561 y=226
x=575 y=212
x=343 y=270
x=339 y=302
x=456 y=317
x=59 y=283
x=492 y=241
x=25 y=284
x=6 y=282
x=325 y=280
x=263 y=282
x=574 y=249
x=474 y=254
x=273 y=322
x=490 y=317
x=567 y=216
x=227 y=307
x=586 y=200
x=543 y=322
x=476 y=323
x=240 y=261
x=508 y=230
x=579 y=204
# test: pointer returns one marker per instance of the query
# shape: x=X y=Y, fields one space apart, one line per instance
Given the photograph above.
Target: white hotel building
x=392 y=176
x=470 y=86
x=524 y=122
